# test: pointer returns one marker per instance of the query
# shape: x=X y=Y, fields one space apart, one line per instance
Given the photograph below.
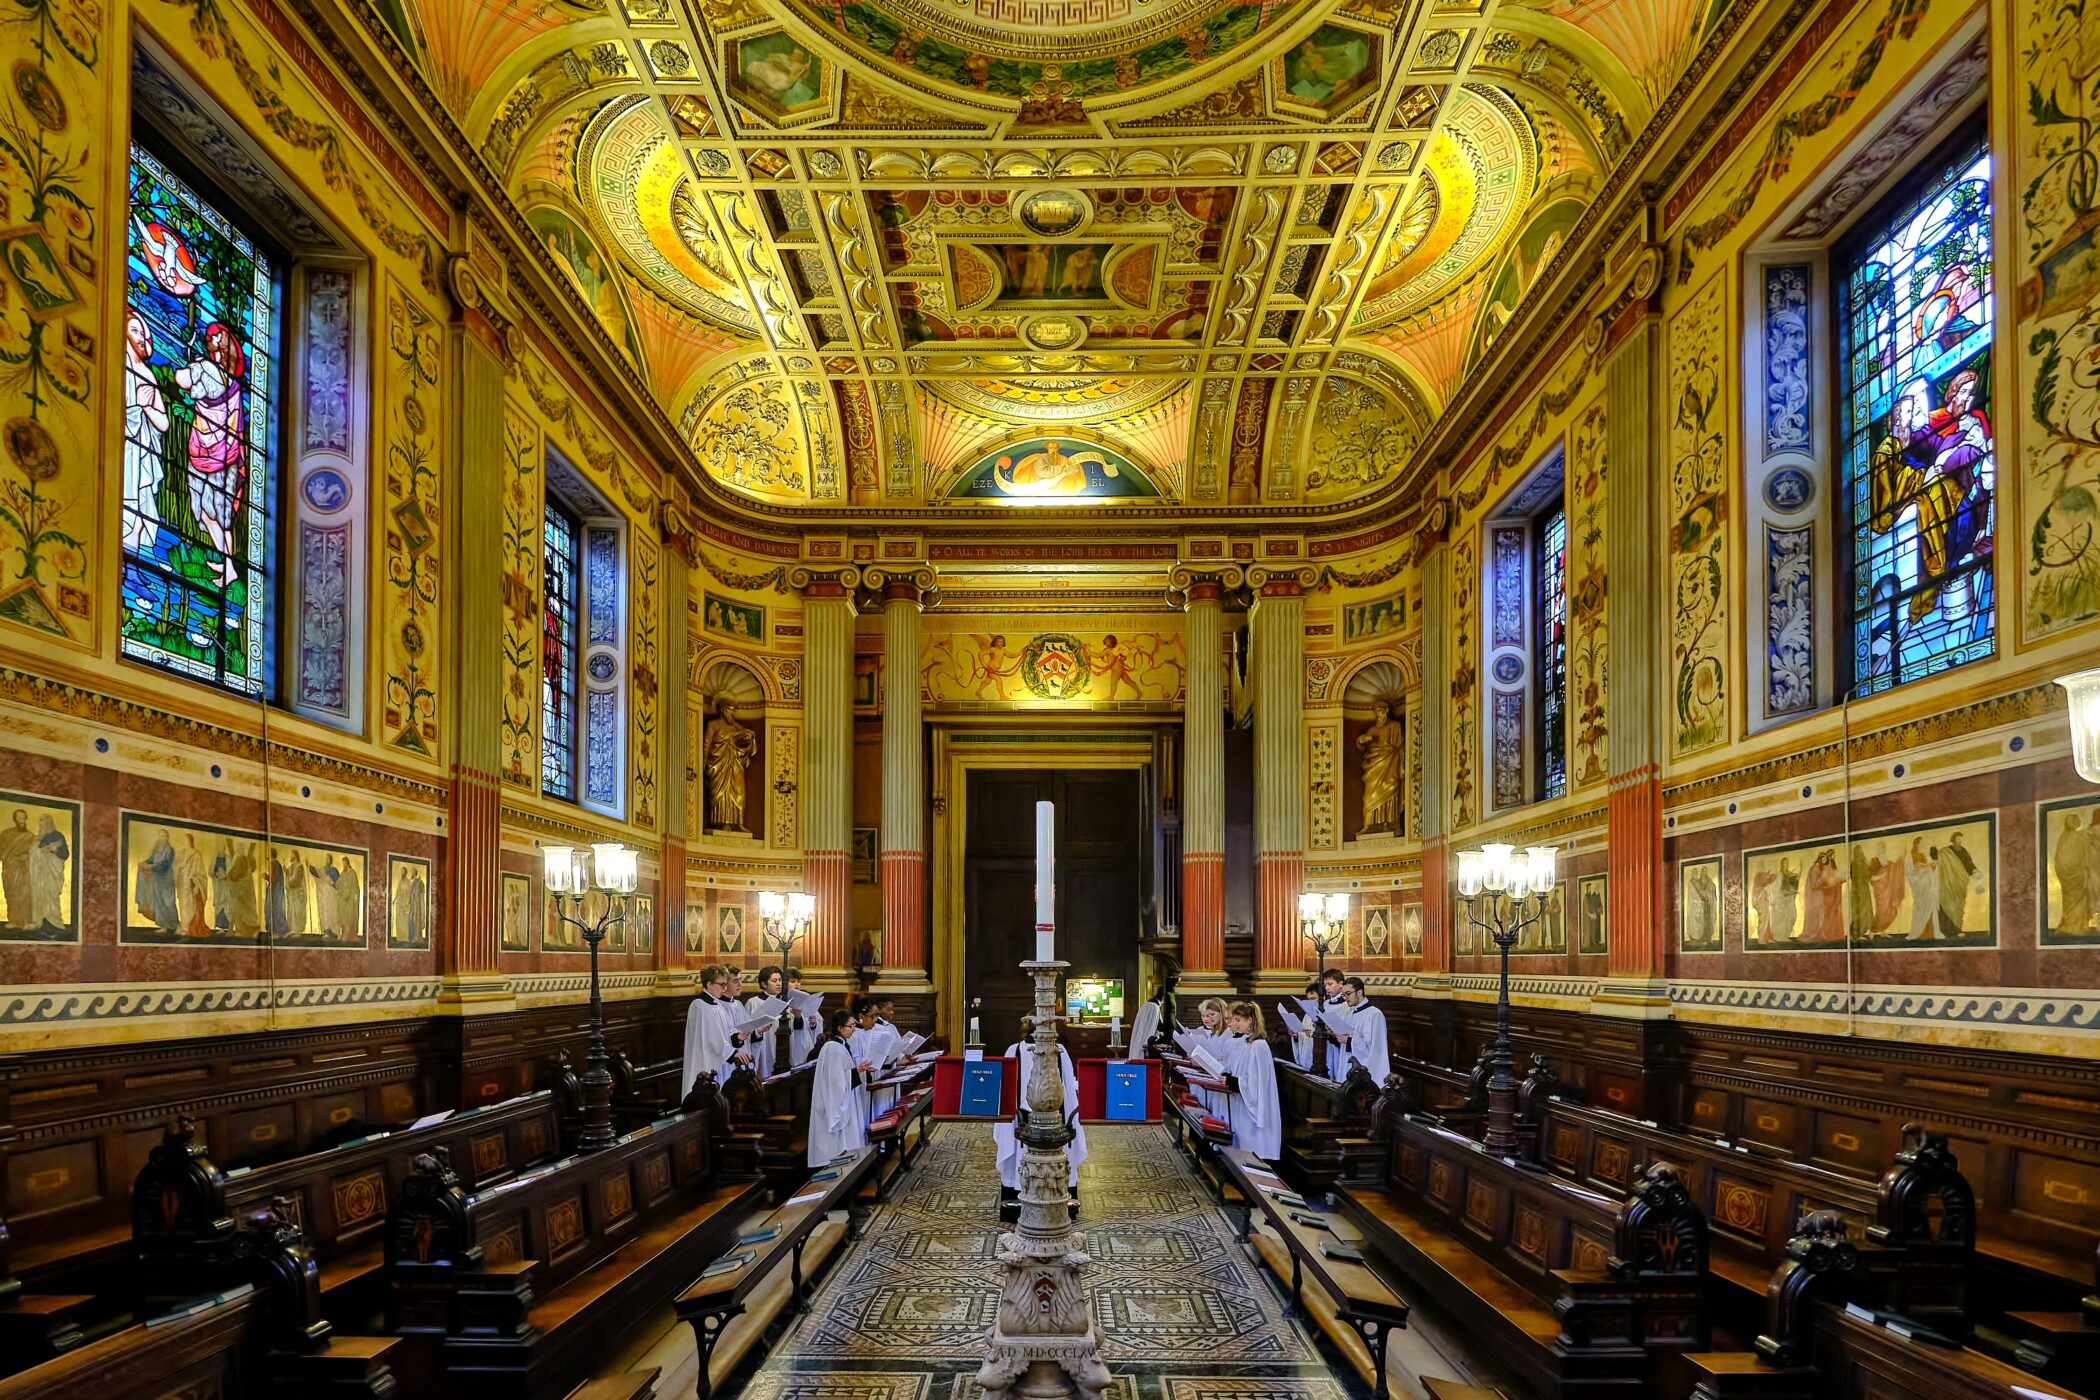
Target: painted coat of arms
x=1055 y=666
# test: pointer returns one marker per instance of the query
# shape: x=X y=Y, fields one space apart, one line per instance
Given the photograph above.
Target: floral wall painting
x=1699 y=520
x=1410 y=930
x=2057 y=247
x=516 y=913
x=2070 y=850
x=1790 y=644
x=39 y=870
x=743 y=621
x=729 y=928
x=1700 y=915
x=695 y=923
x=190 y=884
x=1076 y=668
x=1378 y=932
x=1932 y=885
x=407 y=902
x=1592 y=915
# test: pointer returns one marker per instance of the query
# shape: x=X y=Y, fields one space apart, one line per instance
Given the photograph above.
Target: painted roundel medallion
x=1055 y=666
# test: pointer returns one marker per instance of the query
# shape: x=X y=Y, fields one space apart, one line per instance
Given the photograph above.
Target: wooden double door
x=1103 y=840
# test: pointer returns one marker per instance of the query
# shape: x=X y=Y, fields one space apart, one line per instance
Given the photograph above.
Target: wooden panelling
x=50 y=1180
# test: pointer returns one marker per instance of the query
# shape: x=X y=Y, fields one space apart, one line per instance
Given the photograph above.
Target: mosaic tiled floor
x=1184 y=1313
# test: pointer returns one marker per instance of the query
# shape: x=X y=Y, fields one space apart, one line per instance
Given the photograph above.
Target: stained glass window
x=1919 y=466
x=1550 y=532
x=562 y=545
x=200 y=340
x=601 y=716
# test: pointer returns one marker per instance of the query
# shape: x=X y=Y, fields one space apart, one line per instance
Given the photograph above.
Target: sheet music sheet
x=1290 y=1021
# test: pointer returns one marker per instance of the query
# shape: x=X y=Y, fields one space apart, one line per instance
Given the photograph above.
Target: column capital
x=1207 y=582
x=895 y=583
x=1282 y=581
x=840 y=583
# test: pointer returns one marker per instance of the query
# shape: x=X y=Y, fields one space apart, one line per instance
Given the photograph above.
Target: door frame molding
x=1022 y=742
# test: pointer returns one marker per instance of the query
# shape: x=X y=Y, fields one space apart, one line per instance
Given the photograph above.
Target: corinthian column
x=827 y=768
x=1277 y=664
x=1203 y=791
x=903 y=789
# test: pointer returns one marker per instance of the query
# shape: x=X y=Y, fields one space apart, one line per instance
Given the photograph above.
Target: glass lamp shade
x=2083 y=689
x=1543 y=868
x=1337 y=908
x=771 y=904
x=1309 y=907
x=801 y=908
x=1469 y=874
x=1497 y=862
x=561 y=869
x=613 y=868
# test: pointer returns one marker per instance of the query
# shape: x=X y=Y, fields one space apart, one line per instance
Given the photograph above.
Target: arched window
x=1917 y=455
x=583 y=643
x=201 y=333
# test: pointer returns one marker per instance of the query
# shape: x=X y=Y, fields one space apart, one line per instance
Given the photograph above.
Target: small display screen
x=1093 y=998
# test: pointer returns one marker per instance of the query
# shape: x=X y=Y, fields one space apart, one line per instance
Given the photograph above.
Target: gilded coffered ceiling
x=892 y=253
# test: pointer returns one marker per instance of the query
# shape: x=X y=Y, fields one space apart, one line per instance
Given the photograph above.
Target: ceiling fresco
x=1193 y=252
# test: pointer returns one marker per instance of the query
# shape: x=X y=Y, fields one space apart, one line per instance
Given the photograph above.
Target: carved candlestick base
x=1043 y=1342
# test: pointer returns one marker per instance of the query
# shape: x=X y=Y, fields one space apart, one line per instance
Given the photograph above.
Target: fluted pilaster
x=1203 y=789
x=827 y=767
x=1277 y=663
x=904 y=952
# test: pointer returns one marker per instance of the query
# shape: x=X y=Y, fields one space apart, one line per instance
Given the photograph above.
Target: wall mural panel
x=524 y=490
x=408 y=902
x=199 y=885
x=1076 y=667
x=1589 y=642
x=413 y=525
x=39 y=869
x=1699 y=521
x=1929 y=885
x=2069 y=845
x=515 y=913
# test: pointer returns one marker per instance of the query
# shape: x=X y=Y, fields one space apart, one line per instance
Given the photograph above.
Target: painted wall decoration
x=39 y=869
x=1049 y=274
x=744 y=621
x=1592 y=915
x=2069 y=843
x=1465 y=680
x=1410 y=930
x=558 y=935
x=1530 y=254
x=644 y=575
x=1788 y=389
x=1701 y=915
x=408 y=904
x=410 y=578
x=1698 y=338
x=1917 y=460
x=1549 y=934
x=1932 y=885
x=196 y=885
x=1364 y=621
x=523 y=494
x=1053 y=668
x=590 y=273
x=729 y=928
x=2057 y=249
x=644 y=920
x=201 y=397
x=1790 y=643
x=695 y=923
x=1589 y=641
x=515 y=913
x=864 y=856
x=1378 y=931
x=1051 y=469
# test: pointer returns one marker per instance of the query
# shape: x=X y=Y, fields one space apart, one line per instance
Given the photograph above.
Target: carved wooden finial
x=1660 y=1228
x=1820 y=1264
x=1924 y=1201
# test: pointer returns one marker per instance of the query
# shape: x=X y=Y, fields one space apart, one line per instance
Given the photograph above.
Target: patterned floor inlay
x=1184 y=1312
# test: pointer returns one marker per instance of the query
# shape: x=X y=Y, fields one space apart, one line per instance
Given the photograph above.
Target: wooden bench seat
x=628 y=1385
x=715 y=1305
x=1327 y=1126
x=1360 y=1306
x=524 y=1283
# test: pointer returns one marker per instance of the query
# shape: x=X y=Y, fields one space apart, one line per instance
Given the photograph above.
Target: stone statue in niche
x=730 y=748
x=1384 y=755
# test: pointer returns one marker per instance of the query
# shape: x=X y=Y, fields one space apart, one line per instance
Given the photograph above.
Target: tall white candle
x=1045 y=881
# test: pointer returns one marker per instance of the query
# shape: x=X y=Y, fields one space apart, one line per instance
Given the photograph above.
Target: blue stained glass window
x=1550 y=532
x=558 y=676
x=200 y=341
x=1918 y=455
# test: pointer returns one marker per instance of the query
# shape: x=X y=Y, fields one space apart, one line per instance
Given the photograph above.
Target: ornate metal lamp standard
x=1510 y=890
x=787 y=918
x=1322 y=922
x=608 y=870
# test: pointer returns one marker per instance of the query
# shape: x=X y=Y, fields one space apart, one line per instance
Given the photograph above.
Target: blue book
x=1126 y=1091
x=981 y=1083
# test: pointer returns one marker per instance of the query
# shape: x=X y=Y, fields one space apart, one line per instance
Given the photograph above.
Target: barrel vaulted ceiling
x=887 y=253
